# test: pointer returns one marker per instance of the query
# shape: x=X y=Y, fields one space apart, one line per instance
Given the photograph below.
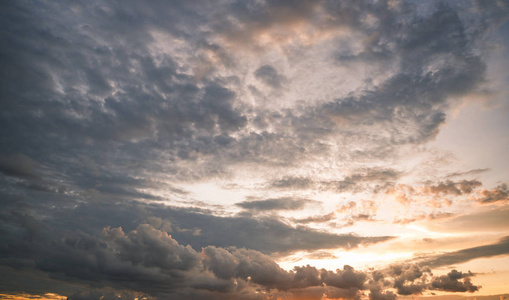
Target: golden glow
x=26 y=296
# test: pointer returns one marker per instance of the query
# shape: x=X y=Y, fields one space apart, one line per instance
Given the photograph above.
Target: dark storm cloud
x=277 y=204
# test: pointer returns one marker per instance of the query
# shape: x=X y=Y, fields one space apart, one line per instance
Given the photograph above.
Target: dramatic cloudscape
x=251 y=149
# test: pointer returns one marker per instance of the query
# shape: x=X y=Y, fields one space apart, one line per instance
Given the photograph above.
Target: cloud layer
x=174 y=149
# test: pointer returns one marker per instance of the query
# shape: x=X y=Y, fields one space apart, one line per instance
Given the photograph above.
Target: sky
x=250 y=149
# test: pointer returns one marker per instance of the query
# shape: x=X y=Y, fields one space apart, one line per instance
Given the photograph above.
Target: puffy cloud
x=409 y=279
x=452 y=283
x=498 y=194
x=414 y=279
x=377 y=294
x=150 y=261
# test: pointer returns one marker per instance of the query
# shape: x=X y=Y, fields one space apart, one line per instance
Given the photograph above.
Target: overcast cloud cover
x=253 y=149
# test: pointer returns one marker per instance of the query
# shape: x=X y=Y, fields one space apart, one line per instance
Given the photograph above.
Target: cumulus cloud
x=498 y=194
x=414 y=279
x=150 y=261
x=452 y=282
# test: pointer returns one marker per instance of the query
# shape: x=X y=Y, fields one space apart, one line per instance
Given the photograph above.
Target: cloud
x=270 y=76
x=150 y=261
x=414 y=279
x=498 y=194
x=451 y=282
x=453 y=188
x=276 y=204
x=20 y=166
x=431 y=216
x=470 y=172
x=317 y=219
x=290 y=182
x=464 y=255
x=108 y=109
x=360 y=180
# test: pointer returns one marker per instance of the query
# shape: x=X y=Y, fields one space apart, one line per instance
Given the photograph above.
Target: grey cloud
x=291 y=182
x=195 y=227
x=100 y=86
x=451 y=282
x=359 y=181
x=374 y=178
x=19 y=165
x=377 y=294
x=469 y=172
x=150 y=261
x=409 y=279
x=454 y=188
x=270 y=76
x=276 y=204
x=464 y=255
x=317 y=219
x=86 y=79
x=414 y=279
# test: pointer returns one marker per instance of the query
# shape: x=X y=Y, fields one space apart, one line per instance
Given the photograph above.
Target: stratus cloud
x=276 y=204
x=464 y=255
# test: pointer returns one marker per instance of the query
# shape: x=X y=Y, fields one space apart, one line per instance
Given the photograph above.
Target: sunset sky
x=246 y=150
